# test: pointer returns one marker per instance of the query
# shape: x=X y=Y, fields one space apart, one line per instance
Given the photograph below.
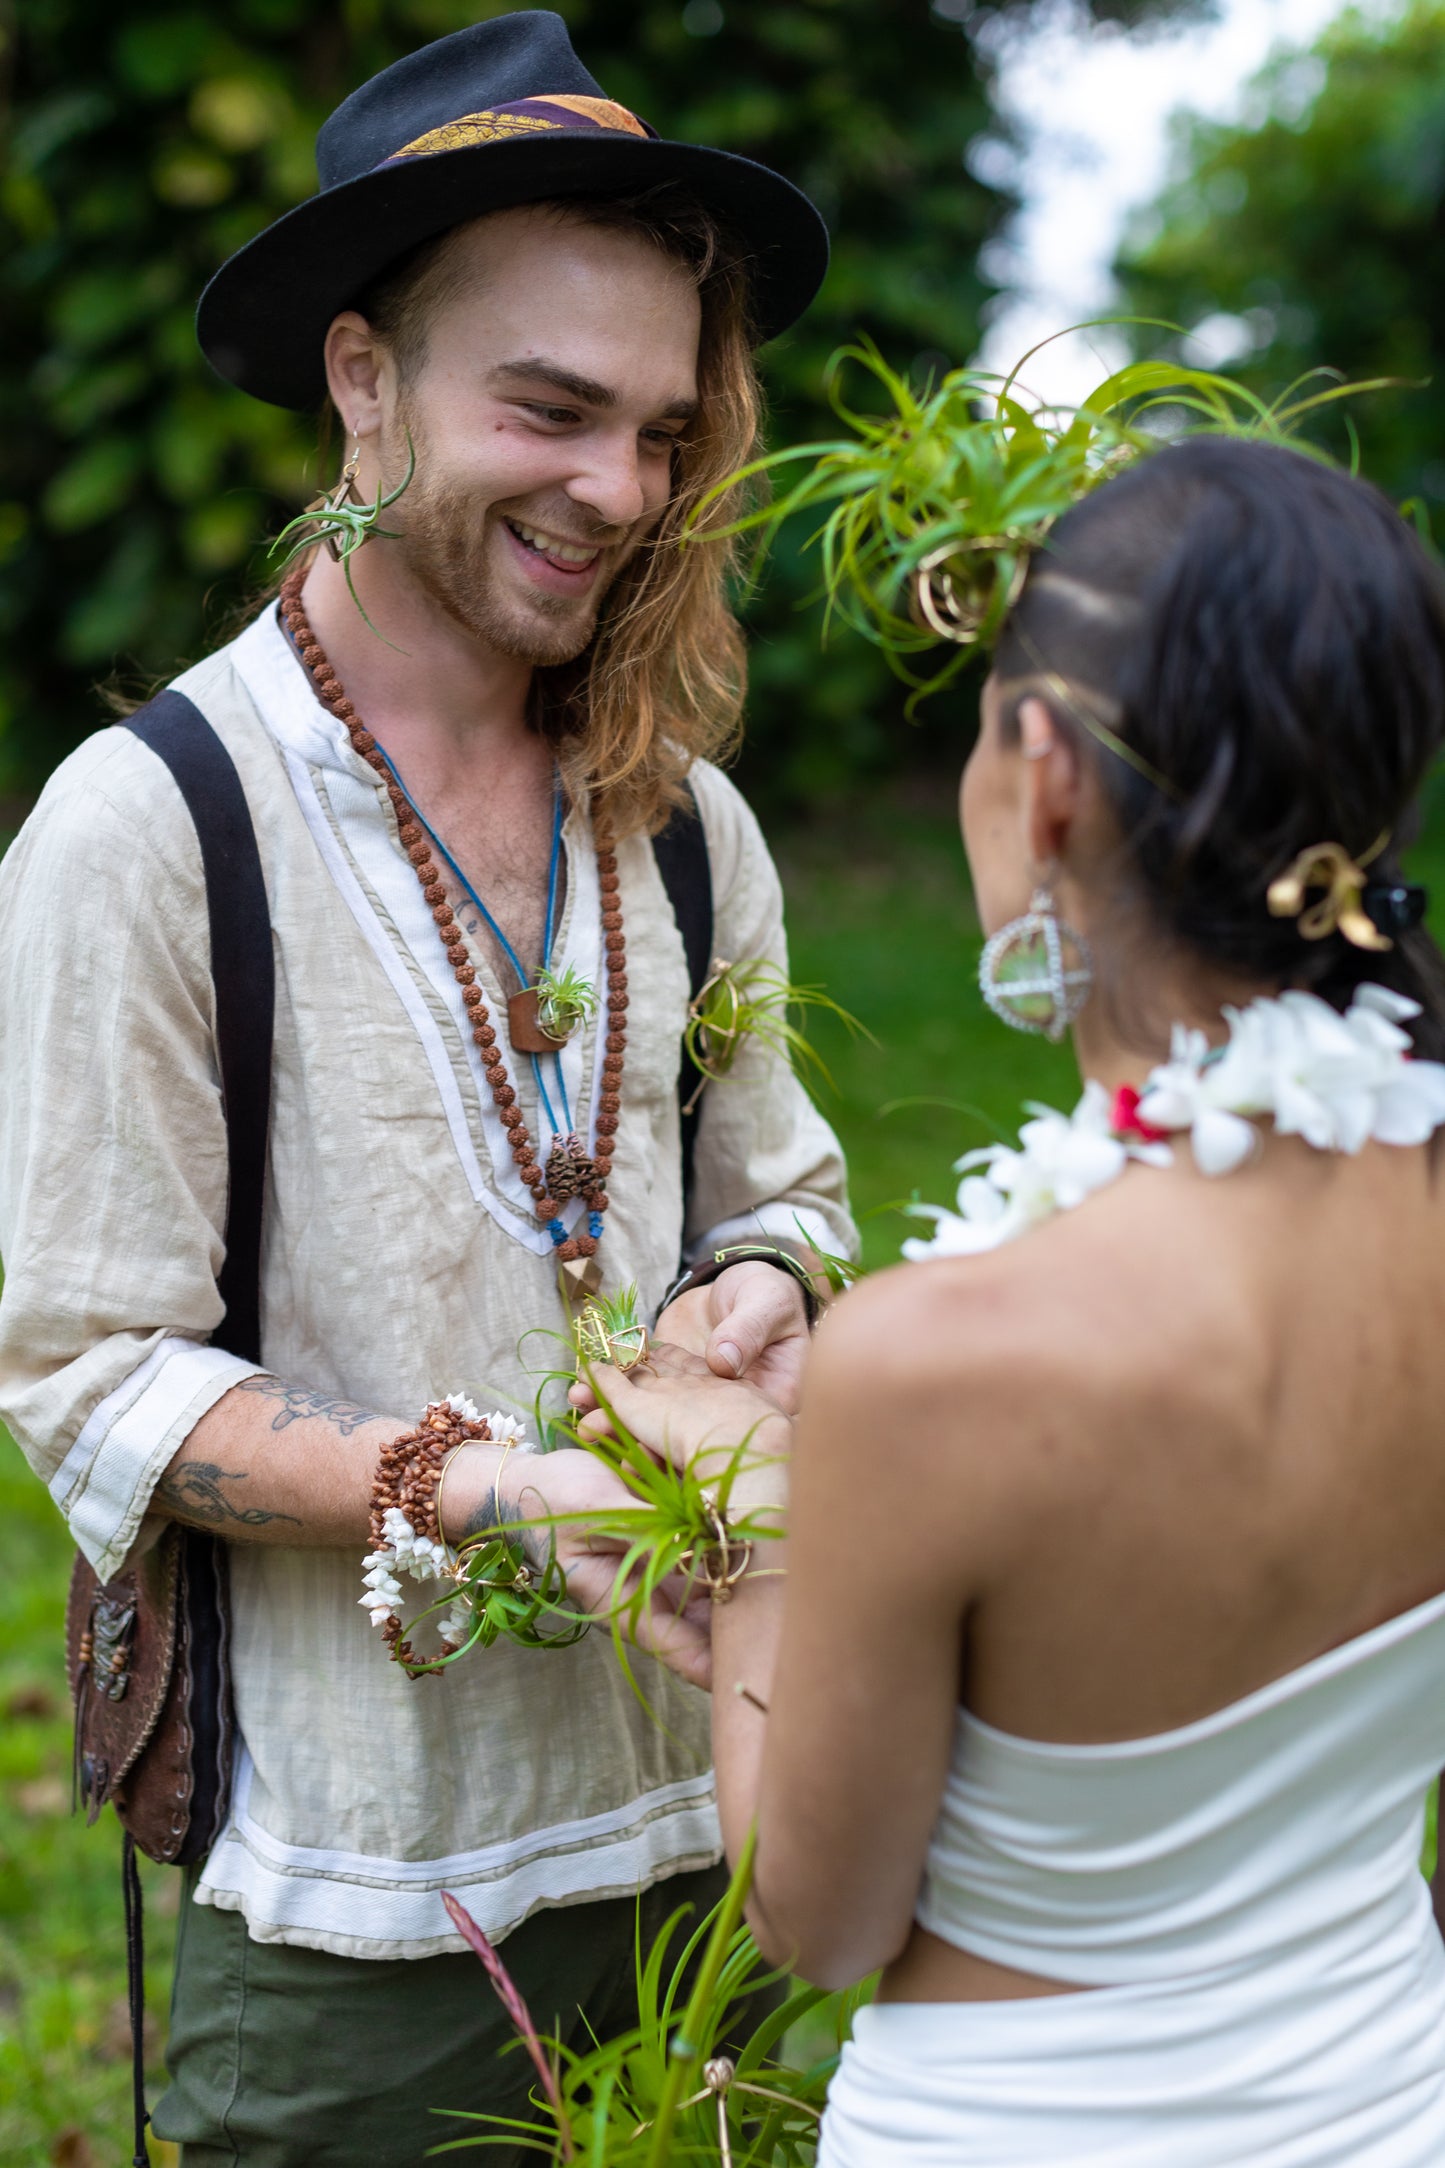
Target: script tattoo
x=295 y=1404
x=192 y=1493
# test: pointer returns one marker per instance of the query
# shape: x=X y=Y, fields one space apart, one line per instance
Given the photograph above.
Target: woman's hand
x=675 y=1406
x=539 y=1494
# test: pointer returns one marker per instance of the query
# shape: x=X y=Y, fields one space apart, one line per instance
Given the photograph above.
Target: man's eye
x=557 y=416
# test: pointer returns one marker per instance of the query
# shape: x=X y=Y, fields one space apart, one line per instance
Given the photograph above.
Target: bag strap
x=244 y=972
x=682 y=860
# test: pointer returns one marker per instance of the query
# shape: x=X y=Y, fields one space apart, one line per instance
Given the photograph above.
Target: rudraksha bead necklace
x=570 y=1171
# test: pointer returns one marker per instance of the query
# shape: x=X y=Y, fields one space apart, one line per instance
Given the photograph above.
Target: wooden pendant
x=524 y=1026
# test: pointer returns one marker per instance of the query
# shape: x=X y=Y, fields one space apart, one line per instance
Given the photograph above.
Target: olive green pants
x=288 y=2058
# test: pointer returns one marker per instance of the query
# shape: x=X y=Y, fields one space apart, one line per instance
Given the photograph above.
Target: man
x=514 y=294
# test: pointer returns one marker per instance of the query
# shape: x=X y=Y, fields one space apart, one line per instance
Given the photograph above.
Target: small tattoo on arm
x=192 y=1493
x=296 y=1404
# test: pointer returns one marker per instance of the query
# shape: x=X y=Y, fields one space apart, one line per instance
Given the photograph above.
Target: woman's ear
x=1051 y=782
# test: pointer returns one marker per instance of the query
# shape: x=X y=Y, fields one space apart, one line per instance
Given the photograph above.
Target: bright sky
x=1092 y=108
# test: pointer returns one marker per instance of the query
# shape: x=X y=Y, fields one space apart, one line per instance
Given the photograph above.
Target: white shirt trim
x=325 y=1899
x=103 y=1486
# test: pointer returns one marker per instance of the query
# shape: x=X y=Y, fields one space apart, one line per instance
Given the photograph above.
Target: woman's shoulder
x=1138 y=1297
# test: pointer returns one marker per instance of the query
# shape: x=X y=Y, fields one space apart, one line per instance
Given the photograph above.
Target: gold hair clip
x=1340 y=909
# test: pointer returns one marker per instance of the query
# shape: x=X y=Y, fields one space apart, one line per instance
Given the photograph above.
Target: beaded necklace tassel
x=570 y=1172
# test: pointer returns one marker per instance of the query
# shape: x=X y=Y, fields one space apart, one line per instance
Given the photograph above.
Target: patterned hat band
x=522 y=117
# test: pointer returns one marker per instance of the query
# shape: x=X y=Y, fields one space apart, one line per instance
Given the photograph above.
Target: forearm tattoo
x=192 y=1493
x=487 y=1515
x=295 y=1404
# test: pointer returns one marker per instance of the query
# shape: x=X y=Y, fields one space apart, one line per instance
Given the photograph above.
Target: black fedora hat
x=503 y=113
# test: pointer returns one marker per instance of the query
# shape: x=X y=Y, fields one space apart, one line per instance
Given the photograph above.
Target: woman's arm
x=856 y=1649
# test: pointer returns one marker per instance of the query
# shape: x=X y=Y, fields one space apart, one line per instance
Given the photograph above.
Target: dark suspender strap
x=682 y=860
x=243 y=972
x=245 y=980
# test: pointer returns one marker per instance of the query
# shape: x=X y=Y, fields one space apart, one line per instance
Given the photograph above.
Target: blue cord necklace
x=564 y=1128
x=564 y=1132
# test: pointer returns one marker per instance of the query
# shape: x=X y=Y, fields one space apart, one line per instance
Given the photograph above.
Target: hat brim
x=262 y=320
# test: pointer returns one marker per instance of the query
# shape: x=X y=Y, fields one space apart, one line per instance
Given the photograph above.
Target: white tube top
x=1292 y=1817
x=1242 y=1899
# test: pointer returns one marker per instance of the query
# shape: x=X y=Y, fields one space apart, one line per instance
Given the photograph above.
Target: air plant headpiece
x=934 y=508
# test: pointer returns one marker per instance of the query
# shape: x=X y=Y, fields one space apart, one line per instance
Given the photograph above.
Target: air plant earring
x=344 y=521
x=1036 y=973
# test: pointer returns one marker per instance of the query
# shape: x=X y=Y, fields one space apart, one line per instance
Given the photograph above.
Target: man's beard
x=447 y=543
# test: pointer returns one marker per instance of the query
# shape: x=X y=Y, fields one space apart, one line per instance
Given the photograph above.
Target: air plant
x=609 y=1329
x=565 y=1000
x=343 y=526
x=678 y=2087
x=499 y=1594
x=933 y=508
x=751 y=1000
x=675 y=1531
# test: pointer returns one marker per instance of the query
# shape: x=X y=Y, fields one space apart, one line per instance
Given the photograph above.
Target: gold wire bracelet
x=437 y=1496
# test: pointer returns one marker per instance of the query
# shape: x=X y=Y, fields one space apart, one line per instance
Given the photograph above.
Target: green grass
x=880 y=914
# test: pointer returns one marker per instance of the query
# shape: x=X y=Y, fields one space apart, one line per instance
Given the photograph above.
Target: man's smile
x=564 y=556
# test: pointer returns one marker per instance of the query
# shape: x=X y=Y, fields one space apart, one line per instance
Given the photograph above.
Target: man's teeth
x=567 y=552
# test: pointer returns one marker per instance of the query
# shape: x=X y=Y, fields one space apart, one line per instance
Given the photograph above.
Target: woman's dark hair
x=1267 y=635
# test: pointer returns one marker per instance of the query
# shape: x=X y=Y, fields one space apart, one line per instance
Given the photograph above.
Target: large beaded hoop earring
x=1036 y=973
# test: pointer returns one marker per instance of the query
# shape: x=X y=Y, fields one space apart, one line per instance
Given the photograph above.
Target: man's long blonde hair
x=662 y=682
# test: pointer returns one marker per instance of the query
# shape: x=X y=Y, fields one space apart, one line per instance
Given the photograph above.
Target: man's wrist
x=722 y=1260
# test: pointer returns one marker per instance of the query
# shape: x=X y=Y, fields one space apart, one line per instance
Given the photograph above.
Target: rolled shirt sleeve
x=113 y=1161
x=768 y=1166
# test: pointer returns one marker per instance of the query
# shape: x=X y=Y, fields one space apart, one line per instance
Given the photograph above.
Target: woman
x=1100 y=1699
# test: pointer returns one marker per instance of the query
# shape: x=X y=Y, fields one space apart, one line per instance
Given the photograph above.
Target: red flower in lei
x=1125 y=1119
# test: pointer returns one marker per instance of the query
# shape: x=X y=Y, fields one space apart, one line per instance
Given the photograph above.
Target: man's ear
x=1051 y=782
x=360 y=373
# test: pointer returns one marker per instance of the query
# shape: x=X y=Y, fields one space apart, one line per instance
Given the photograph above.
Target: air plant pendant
x=609 y=1330
x=542 y=1018
x=343 y=523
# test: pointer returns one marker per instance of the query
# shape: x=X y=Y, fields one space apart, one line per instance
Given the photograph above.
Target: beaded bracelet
x=405 y=1531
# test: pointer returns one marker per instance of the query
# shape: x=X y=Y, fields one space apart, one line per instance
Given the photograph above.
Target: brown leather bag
x=148 y=1655
x=148 y=1652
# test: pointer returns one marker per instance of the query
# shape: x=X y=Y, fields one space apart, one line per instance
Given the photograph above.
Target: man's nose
x=609 y=485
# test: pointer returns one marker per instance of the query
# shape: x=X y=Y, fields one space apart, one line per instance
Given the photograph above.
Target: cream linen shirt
x=400 y=1262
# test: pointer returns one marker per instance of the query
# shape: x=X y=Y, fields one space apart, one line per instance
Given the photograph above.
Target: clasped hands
x=725 y=1365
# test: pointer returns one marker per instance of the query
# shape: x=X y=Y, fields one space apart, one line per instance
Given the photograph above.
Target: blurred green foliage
x=1319 y=224
x=139 y=146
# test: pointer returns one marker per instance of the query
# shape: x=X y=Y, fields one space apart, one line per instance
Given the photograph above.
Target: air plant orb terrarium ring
x=1036 y=973
x=610 y=1330
x=717 y=1012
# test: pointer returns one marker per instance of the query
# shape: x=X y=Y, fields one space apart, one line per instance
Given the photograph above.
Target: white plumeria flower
x=1060 y=1160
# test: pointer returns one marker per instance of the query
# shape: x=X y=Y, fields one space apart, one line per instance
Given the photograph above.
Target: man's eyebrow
x=536 y=369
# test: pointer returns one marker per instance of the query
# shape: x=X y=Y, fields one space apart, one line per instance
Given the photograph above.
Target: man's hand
x=751 y=1322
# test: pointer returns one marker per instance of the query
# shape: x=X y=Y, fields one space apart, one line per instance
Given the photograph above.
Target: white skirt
x=1288 y=2066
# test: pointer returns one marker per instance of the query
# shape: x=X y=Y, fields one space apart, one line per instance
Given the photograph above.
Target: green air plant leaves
x=932 y=508
x=696 y=2080
x=343 y=527
x=507 y=1598
x=751 y=1000
x=666 y=1531
x=565 y=1000
x=609 y=1329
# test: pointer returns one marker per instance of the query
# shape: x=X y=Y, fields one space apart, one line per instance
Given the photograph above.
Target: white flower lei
x=419 y=1557
x=1336 y=1080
